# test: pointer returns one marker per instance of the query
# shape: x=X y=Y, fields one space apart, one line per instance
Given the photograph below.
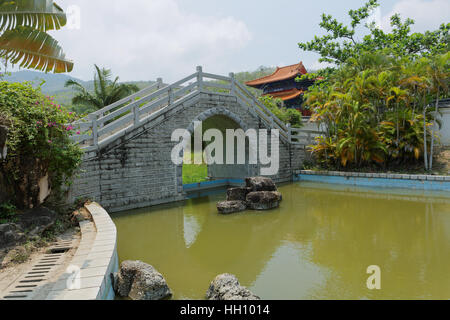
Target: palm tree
x=439 y=76
x=105 y=92
x=23 y=35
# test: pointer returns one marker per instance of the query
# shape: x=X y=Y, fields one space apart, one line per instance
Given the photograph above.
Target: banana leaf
x=33 y=49
x=42 y=15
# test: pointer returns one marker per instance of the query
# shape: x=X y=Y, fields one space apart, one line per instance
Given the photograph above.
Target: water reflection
x=318 y=244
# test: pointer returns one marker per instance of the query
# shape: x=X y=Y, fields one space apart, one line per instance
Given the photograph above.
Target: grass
x=194 y=173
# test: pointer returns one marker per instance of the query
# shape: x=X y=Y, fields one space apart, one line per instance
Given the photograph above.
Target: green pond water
x=317 y=245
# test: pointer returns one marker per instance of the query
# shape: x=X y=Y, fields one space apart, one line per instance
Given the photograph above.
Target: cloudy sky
x=146 y=39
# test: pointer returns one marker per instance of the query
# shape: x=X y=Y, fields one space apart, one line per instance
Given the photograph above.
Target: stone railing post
x=170 y=94
x=200 y=78
x=93 y=118
x=289 y=132
x=233 y=84
x=159 y=83
x=137 y=116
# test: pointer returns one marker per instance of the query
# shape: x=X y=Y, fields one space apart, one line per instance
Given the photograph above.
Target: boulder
x=37 y=220
x=10 y=235
x=226 y=287
x=237 y=194
x=263 y=200
x=260 y=184
x=228 y=207
x=140 y=281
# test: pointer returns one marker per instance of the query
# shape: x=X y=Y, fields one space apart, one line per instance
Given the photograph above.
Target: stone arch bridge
x=127 y=160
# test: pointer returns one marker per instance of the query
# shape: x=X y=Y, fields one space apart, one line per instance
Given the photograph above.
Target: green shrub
x=276 y=106
x=8 y=212
x=38 y=141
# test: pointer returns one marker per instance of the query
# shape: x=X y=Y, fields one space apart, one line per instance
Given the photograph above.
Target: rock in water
x=260 y=184
x=226 y=287
x=263 y=200
x=237 y=194
x=140 y=281
x=228 y=207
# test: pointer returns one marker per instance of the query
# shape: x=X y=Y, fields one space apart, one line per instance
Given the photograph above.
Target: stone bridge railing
x=101 y=127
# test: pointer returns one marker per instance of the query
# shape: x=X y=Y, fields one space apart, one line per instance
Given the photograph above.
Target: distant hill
x=54 y=84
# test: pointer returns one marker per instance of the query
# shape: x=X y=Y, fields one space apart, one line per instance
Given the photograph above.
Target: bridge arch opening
x=195 y=173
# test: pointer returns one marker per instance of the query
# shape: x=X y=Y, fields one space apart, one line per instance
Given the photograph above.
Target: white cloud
x=144 y=39
x=428 y=15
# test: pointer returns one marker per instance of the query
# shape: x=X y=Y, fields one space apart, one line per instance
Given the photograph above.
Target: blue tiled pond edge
x=418 y=182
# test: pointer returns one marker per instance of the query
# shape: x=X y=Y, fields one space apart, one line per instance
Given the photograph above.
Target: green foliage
x=339 y=44
x=38 y=137
x=106 y=91
x=194 y=173
x=276 y=106
x=246 y=76
x=8 y=212
x=376 y=109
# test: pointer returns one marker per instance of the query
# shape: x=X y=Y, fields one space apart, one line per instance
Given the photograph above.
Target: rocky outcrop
x=260 y=193
x=228 y=207
x=260 y=184
x=140 y=281
x=226 y=287
x=10 y=235
x=263 y=200
x=237 y=194
x=37 y=220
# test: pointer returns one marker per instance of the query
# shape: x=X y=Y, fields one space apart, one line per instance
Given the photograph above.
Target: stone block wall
x=136 y=169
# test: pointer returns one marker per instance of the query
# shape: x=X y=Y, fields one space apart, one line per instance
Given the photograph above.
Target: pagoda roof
x=286 y=94
x=280 y=74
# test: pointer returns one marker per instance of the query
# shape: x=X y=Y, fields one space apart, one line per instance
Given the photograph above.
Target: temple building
x=281 y=84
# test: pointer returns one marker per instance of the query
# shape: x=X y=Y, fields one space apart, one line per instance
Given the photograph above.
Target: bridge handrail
x=110 y=118
x=158 y=84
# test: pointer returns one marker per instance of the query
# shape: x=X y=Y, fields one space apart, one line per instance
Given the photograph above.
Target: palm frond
x=33 y=49
x=41 y=15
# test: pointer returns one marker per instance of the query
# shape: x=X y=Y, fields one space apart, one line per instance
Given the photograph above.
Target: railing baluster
x=233 y=84
x=289 y=133
x=93 y=119
x=200 y=78
x=170 y=94
x=137 y=118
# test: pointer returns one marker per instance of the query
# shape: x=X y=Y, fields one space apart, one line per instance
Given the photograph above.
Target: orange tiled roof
x=287 y=94
x=280 y=74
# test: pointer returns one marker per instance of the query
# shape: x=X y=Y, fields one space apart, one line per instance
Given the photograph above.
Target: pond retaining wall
x=89 y=275
x=386 y=180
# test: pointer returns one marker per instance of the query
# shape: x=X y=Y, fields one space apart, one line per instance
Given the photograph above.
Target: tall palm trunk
x=425 y=147
x=434 y=127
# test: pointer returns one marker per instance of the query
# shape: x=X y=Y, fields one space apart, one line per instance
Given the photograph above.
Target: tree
x=38 y=144
x=438 y=73
x=105 y=92
x=340 y=43
x=24 y=39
